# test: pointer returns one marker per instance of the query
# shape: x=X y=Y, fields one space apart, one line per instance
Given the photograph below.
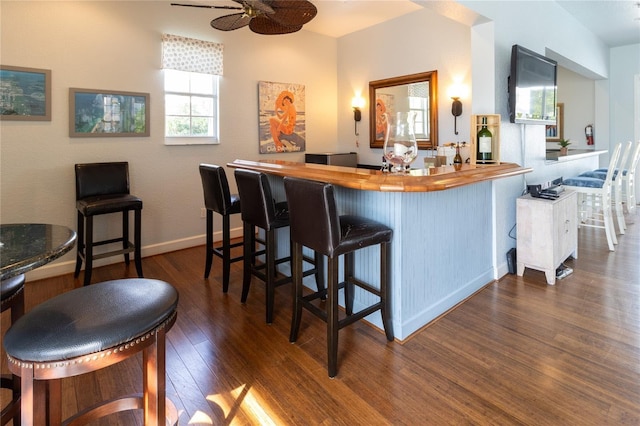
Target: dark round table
x=26 y=246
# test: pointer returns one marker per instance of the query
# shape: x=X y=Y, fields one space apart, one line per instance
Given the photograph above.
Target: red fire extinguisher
x=588 y=132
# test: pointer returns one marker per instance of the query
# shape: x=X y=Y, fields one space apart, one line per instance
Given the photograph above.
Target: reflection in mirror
x=415 y=92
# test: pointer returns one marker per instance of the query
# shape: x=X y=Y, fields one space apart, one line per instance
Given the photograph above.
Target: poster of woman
x=282 y=117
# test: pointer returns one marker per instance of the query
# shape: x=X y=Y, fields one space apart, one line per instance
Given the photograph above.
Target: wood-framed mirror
x=415 y=92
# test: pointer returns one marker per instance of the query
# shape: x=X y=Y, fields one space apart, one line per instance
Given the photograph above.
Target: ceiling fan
x=263 y=16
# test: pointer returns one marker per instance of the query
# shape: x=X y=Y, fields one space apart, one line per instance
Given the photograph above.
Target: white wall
x=117 y=46
x=406 y=45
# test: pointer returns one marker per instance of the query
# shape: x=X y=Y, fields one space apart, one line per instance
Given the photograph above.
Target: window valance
x=192 y=55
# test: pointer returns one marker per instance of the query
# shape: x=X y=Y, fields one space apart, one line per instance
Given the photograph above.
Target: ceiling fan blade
x=292 y=12
x=231 y=22
x=256 y=5
x=204 y=6
x=263 y=25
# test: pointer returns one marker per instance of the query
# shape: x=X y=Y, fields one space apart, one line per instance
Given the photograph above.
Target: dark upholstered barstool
x=315 y=224
x=88 y=329
x=103 y=188
x=218 y=198
x=12 y=297
x=260 y=210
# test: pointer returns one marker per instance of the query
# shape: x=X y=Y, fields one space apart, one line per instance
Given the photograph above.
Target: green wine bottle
x=484 y=143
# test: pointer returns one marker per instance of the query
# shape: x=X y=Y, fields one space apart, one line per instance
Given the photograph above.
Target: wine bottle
x=484 y=143
x=458 y=158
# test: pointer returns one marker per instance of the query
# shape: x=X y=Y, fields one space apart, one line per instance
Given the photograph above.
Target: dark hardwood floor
x=517 y=352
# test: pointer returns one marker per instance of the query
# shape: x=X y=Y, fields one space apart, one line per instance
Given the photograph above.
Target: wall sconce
x=456 y=110
x=356 y=103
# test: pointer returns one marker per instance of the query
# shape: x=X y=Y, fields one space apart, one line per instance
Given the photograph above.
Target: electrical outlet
x=203 y=212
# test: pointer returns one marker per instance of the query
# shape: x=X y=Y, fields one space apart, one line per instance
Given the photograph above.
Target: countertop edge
x=446 y=177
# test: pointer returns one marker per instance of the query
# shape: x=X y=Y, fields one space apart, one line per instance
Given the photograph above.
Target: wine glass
x=400 y=144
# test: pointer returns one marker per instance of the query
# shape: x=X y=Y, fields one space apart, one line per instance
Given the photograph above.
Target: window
x=191 y=105
x=192 y=69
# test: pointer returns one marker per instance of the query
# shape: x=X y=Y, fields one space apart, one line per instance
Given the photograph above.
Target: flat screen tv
x=532 y=87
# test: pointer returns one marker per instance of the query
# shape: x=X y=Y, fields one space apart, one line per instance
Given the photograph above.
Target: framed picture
x=281 y=117
x=106 y=113
x=555 y=133
x=25 y=94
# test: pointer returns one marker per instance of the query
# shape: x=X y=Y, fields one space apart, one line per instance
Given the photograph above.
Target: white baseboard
x=64 y=267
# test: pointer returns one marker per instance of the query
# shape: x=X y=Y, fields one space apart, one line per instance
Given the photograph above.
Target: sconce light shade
x=456 y=107
x=456 y=110
x=357 y=102
x=357 y=114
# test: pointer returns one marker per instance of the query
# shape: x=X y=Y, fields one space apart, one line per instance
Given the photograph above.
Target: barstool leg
x=125 y=235
x=319 y=274
x=270 y=273
x=296 y=273
x=154 y=379
x=248 y=254
x=348 y=283
x=88 y=250
x=209 y=243
x=385 y=293
x=226 y=252
x=137 y=240
x=54 y=401
x=332 y=316
x=80 y=245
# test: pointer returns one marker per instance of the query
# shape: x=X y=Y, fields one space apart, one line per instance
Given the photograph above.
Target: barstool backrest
x=257 y=207
x=633 y=163
x=94 y=179
x=217 y=196
x=313 y=215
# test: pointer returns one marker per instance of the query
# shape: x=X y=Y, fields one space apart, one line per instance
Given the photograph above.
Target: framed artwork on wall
x=25 y=94
x=106 y=113
x=555 y=133
x=282 y=126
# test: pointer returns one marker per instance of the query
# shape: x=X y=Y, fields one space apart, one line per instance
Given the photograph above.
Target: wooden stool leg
x=33 y=399
x=209 y=244
x=270 y=273
x=80 y=245
x=54 y=402
x=154 y=377
x=249 y=258
x=332 y=316
x=125 y=235
x=385 y=293
x=137 y=241
x=226 y=252
x=296 y=273
x=349 y=290
x=88 y=250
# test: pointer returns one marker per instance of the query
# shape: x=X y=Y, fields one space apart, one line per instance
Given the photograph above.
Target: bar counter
x=443 y=231
x=437 y=179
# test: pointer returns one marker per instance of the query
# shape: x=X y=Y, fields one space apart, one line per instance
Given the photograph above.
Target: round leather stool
x=87 y=329
x=12 y=297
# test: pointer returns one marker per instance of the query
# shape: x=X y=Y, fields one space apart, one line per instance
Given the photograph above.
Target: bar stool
x=87 y=329
x=218 y=198
x=628 y=180
x=12 y=297
x=594 y=199
x=260 y=210
x=103 y=188
x=315 y=224
x=618 y=181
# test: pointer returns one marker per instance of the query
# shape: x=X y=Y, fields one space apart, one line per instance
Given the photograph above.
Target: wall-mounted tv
x=532 y=87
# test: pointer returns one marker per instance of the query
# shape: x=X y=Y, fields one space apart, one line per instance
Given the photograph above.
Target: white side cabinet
x=547 y=233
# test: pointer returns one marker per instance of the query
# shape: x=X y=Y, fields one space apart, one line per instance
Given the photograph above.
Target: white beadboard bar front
x=441 y=252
